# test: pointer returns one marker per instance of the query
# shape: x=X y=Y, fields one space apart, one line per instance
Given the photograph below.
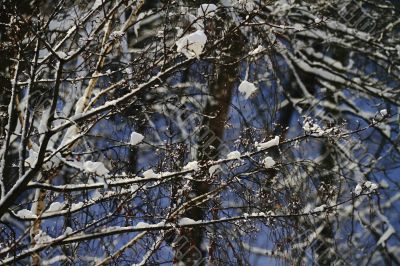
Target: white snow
x=61 y=54
x=150 y=174
x=298 y=27
x=162 y=223
x=313 y=128
x=320 y=208
x=206 y=10
x=95 y=167
x=270 y=213
x=213 y=169
x=268 y=162
x=383 y=112
x=358 y=190
x=185 y=221
x=245 y=4
x=265 y=145
x=96 y=4
x=308 y=127
x=192 y=45
x=27 y=214
x=194 y=165
x=136 y=138
x=370 y=186
x=258 y=50
x=76 y=206
x=233 y=155
x=68 y=231
x=179 y=31
x=247 y=88
x=166 y=173
x=141 y=225
x=42 y=238
x=55 y=206
x=382 y=240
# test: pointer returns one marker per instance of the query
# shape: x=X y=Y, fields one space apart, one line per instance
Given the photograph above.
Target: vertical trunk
x=210 y=142
x=37 y=208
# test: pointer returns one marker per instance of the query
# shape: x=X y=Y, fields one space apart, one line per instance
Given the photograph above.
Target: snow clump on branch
x=192 y=45
x=95 y=167
x=247 y=88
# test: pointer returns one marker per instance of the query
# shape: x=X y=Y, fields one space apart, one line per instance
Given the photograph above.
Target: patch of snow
x=246 y=4
x=320 y=208
x=194 y=165
x=382 y=240
x=141 y=225
x=68 y=231
x=76 y=206
x=258 y=50
x=62 y=54
x=383 y=112
x=136 y=138
x=96 y=4
x=186 y=221
x=206 y=10
x=26 y=214
x=270 y=213
x=179 y=31
x=370 y=186
x=192 y=45
x=213 y=169
x=358 y=190
x=42 y=238
x=55 y=206
x=162 y=223
x=164 y=174
x=265 y=145
x=313 y=128
x=233 y=155
x=307 y=208
x=298 y=27
x=268 y=162
x=247 y=88
x=280 y=8
x=95 y=167
x=150 y=174
x=134 y=187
